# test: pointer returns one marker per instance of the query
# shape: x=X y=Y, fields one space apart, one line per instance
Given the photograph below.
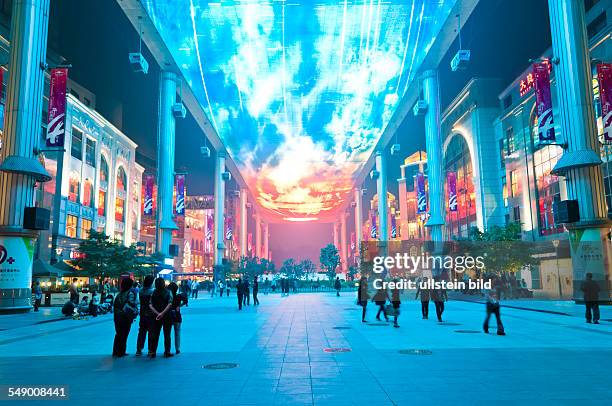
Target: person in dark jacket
x=146 y=315
x=425 y=294
x=255 y=291
x=246 y=292
x=125 y=300
x=363 y=296
x=178 y=299
x=590 y=289
x=396 y=302
x=337 y=285
x=439 y=296
x=492 y=307
x=38 y=294
x=380 y=298
x=240 y=293
x=160 y=305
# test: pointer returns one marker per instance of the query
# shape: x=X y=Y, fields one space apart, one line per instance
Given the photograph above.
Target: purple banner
x=393 y=227
x=374 y=230
x=148 y=198
x=209 y=227
x=451 y=179
x=604 y=76
x=56 y=119
x=229 y=233
x=180 y=195
x=544 y=108
x=421 y=196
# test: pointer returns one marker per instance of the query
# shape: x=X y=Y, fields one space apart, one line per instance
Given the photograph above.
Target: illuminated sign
x=528 y=82
x=299 y=92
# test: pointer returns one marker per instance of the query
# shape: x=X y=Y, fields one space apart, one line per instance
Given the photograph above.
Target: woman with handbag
x=380 y=298
x=363 y=296
x=178 y=299
x=126 y=310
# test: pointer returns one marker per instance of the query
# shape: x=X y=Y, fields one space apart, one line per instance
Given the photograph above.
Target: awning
x=576 y=159
x=43 y=268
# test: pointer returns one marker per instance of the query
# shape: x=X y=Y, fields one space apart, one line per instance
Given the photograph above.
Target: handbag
x=391 y=311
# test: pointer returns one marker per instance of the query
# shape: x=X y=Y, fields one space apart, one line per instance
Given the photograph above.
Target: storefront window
x=74 y=187
x=76 y=148
x=606 y=150
x=88 y=193
x=71 y=226
x=85 y=228
x=119 y=209
x=103 y=169
x=458 y=160
x=102 y=203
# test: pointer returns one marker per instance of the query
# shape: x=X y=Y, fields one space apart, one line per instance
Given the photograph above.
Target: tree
x=288 y=267
x=308 y=267
x=330 y=259
x=352 y=272
x=95 y=253
x=250 y=267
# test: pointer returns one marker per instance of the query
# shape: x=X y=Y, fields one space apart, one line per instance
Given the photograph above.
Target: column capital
x=431 y=73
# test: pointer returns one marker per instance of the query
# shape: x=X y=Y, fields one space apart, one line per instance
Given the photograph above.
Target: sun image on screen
x=299 y=91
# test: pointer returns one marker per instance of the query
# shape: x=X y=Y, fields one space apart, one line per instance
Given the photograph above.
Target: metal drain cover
x=336 y=349
x=415 y=352
x=342 y=328
x=220 y=365
x=446 y=323
x=467 y=331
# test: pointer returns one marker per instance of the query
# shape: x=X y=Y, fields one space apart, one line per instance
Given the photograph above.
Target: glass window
x=85 y=228
x=514 y=186
x=71 y=226
x=88 y=193
x=102 y=203
x=76 y=149
x=536 y=281
x=74 y=188
x=510 y=140
x=119 y=209
x=121 y=179
x=505 y=190
x=103 y=170
x=90 y=152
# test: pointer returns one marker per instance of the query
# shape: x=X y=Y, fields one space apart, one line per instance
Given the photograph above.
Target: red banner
x=56 y=130
x=604 y=77
x=544 y=108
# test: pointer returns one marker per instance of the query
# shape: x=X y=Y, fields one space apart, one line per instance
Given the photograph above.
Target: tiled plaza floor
x=279 y=349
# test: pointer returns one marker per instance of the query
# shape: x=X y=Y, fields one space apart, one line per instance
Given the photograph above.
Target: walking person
x=363 y=296
x=194 y=289
x=213 y=290
x=178 y=299
x=37 y=295
x=396 y=302
x=439 y=296
x=493 y=308
x=126 y=310
x=380 y=298
x=337 y=286
x=246 y=292
x=590 y=289
x=221 y=288
x=255 y=291
x=424 y=291
x=74 y=292
x=228 y=288
x=240 y=293
x=161 y=302
x=145 y=324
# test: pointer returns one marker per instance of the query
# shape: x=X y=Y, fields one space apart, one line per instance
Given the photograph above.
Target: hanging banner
x=56 y=119
x=148 y=196
x=229 y=233
x=374 y=230
x=604 y=76
x=209 y=227
x=353 y=242
x=421 y=196
x=180 y=195
x=451 y=181
x=544 y=108
x=1 y=104
x=250 y=243
x=393 y=227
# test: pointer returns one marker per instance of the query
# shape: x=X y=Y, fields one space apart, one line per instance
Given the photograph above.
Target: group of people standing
x=159 y=308
x=243 y=292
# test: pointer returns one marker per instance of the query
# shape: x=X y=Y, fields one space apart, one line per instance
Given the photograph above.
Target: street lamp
x=556 y=245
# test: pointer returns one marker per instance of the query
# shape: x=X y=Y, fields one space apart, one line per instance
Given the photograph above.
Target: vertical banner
x=148 y=197
x=451 y=181
x=393 y=227
x=544 y=108
x=1 y=104
x=604 y=77
x=374 y=230
x=180 y=195
x=421 y=196
x=229 y=233
x=209 y=233
x=57 y=108
x=250 y=243
x=353 y=242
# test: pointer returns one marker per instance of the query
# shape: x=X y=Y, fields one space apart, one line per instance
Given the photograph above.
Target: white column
x=381 y=189
x=219 y=209
x=591 y=249
x=243 y=222
x=257 y=235
x=21 y=134
x=266 y=241
x=358 y=220
x=433 y=142
x=343 y=244
x=165 y=161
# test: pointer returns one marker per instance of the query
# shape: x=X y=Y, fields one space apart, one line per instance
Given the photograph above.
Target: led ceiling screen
x=299 y=91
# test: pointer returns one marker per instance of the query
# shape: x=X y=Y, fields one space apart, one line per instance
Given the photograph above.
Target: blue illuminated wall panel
x=299 y=91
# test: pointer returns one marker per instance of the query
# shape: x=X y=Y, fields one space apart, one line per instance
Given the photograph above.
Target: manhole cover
x=446 y=323
x=415 y=352
x=336 y=349
x=220 y=365
x=342 y=328
x=467 y=331
x=377 y=324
